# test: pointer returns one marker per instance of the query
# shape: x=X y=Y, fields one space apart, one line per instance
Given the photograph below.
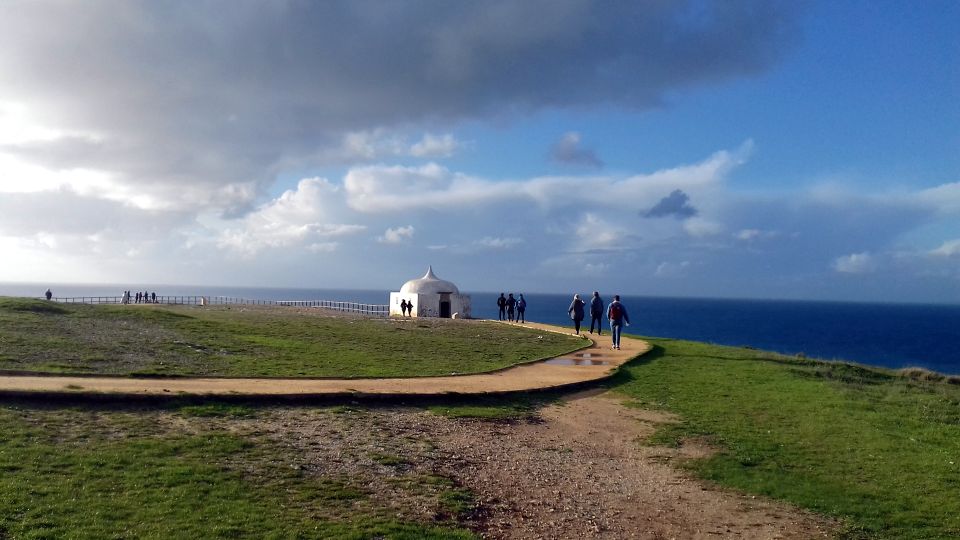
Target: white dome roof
x=429 y=284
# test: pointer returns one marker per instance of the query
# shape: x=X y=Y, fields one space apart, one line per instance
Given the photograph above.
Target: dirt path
x=583 y=473
x=594 y=362
x=579 y=470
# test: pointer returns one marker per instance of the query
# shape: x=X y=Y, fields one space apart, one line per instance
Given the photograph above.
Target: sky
x=748 y=149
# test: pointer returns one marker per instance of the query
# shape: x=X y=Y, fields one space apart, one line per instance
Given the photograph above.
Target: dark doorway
x=444 y=306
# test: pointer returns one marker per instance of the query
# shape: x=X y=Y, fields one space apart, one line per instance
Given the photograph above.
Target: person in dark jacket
x=511 y=306
x=502 y=304
x=596 y=313
x=521 y=307
x=617 y=314
x=576 y=312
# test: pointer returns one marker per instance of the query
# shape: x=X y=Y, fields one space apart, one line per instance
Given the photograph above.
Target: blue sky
x=723 y=149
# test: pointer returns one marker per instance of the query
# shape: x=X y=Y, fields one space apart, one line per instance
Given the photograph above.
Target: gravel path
x=592 y=363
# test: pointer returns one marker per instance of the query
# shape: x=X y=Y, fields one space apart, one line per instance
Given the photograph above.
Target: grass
x=265 y=341
x=878 y=449
x=208 y=410
x=75 y=473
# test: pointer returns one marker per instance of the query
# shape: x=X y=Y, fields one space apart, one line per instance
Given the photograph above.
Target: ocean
x=887 y=335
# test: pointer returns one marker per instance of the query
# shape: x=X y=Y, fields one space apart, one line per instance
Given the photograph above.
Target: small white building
x=431 y=296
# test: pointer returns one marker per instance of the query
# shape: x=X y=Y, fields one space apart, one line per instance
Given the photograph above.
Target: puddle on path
x=574 y=361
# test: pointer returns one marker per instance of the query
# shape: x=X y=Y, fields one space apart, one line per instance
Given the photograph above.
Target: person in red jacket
x=617 y=314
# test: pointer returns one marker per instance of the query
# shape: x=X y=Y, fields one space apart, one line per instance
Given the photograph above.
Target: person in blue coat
x=576 y=312
x=596 y=313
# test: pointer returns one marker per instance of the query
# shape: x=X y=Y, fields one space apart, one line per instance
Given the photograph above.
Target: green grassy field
x=173 y=473
x=255 y=341
x=880 y=450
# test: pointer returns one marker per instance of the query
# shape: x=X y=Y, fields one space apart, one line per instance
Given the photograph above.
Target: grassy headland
x=255 y=341
x=877 y=448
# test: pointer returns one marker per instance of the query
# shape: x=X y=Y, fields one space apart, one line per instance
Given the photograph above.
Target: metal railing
x=375 y=310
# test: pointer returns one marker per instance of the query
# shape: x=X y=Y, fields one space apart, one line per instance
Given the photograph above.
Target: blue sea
x=888 y=335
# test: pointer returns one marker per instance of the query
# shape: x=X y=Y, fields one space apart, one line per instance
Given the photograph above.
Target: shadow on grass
x=624 y=376
x=501 y=407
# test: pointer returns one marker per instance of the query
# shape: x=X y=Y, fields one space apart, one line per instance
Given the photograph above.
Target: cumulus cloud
x=302 y=216
x=596 y=232
x=382 y=188
x=569 y=150
x=676 y=204
x=397 y=235
x=855 y=263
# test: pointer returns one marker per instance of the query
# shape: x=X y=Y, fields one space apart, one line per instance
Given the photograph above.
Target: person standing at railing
x=153 y=297
x=48 y=294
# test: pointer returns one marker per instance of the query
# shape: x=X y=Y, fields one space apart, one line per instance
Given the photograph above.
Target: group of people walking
x=511 y=309
x=406 y=308
x=140 y=297
x=615 y=312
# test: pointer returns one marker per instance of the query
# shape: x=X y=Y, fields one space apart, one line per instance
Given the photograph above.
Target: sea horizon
x=37 y=289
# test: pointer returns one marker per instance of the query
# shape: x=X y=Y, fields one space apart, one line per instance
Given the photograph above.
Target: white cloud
x=671 y=269
x=945 y=198
x=498 y=243
x=370 y=145
x=323 y=247
x=699 y=227
x=397 y=235
x=855 y=263
x=596 y=232
x=382 y=143
x=380 y=188
x=435 y=146
x=302 y=216
x=595 y=269
x=754 y=234
x=950 y=248
x=19 y=125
